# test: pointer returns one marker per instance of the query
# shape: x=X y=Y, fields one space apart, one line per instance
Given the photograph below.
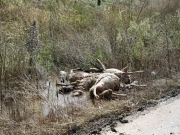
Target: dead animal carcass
x=66 y=89
x=122 y=74
x=63 y=76
x=107 y=94
x=106 y=81
x=74 y=76
x=77 y=93
x=87 y=82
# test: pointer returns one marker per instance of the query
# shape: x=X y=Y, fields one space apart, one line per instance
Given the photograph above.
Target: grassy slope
x=71 y=34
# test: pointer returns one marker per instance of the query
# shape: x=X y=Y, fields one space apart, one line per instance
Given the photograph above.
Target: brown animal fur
x=107 y=94
x=74 y=76
x=77 y=93
x=94 y=70
x=87 y=83
x=122 y=74
x=104 y=82
x=125 y=77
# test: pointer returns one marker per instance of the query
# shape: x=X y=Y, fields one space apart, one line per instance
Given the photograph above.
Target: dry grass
x=29 y=117
x=70 y=34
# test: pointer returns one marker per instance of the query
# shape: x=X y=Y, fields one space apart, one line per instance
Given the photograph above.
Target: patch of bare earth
x=139 y=99
x=36 y=113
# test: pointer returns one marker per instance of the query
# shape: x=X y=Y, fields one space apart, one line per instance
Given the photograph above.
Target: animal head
x=125 y=77
x=63 y=76
x=126 y=68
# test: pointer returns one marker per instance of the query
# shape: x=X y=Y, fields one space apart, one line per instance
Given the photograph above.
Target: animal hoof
x=97 y=97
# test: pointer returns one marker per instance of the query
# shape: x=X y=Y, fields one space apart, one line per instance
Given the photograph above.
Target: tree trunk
x=98 y=2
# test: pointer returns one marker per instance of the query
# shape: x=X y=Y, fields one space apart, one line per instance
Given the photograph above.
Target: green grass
x=71 y=34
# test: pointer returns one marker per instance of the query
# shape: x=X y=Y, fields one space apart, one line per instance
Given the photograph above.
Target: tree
x=98 y=2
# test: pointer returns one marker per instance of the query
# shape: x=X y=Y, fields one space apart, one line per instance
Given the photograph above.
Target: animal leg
x=107 y=94
x=121 y=95
x=94 y=92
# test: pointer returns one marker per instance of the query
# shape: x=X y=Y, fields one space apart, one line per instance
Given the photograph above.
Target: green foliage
x=140 y=32
x=73 y=33
x=45 y=59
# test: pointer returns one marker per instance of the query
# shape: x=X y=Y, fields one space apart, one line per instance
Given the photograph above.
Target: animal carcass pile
x=99 y=81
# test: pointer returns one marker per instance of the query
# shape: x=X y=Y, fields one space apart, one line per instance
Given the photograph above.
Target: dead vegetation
x=38 y=38
x=77 y=117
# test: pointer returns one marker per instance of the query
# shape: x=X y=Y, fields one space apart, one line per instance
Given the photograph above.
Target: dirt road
x=163 y=119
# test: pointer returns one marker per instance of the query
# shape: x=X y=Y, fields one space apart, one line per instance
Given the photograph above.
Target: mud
x=63 y=100
x=159 y=120
x=95 y=127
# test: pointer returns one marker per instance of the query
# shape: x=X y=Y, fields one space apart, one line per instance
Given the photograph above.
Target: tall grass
x=71 y=34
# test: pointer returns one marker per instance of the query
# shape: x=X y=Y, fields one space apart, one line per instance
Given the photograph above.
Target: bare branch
x=102 y=65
